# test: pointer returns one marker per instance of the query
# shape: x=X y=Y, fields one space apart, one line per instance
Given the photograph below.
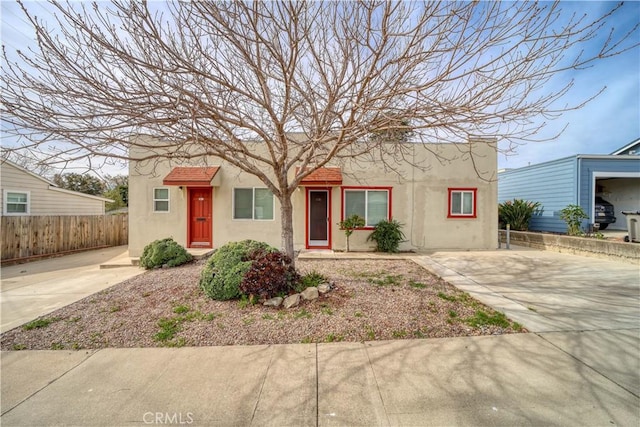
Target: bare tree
x=29 y=162
x=215 y=75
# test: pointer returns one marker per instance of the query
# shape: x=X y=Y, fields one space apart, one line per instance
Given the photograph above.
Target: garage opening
x=615 y=193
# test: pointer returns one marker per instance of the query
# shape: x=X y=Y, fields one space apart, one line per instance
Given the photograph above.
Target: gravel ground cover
x=371 y=300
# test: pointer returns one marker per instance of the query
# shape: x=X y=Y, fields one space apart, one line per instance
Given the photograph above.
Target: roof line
x=77 y=193
x=626 y=147
x=52 y=186
x=17 y=166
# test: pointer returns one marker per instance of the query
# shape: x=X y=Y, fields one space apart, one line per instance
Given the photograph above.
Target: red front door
x=200 y=221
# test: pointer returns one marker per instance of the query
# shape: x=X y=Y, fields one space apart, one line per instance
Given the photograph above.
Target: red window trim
x=475 y=199
x=389 y=204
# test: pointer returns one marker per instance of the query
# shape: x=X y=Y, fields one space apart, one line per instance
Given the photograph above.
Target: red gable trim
x=191 y=176
x=322 y=176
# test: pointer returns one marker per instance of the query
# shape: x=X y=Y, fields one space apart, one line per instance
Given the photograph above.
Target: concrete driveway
x=30 y=290
x=587 y=307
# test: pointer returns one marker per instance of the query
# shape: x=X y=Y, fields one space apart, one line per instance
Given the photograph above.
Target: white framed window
x=161 y=199
x=253 y=203
x=462 y=203
x=373 y=204
x=16 y=202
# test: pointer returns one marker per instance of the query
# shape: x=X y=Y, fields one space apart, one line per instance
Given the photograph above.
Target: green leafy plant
x=246 y=301
x=348 y=225
x=39 y=323
x=312 y=279
x=387 y=235
x=168 y=329
x=221 y=277
x=165 y=252
x=417 y=285
x=517 y=213
x=573 y=216
x=303 y=314
x=446 y=297
x=481 y=318
x=333 y=338
x=181 y=309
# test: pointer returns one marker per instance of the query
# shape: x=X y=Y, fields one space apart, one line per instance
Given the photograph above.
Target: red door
x=200 y=221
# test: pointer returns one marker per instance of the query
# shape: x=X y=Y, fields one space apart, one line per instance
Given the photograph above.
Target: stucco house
x=25 y=193
x=582 y=179
x=450 y=203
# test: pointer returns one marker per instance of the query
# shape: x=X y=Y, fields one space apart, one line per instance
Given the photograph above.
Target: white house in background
x=208 y=202
x=25 y=193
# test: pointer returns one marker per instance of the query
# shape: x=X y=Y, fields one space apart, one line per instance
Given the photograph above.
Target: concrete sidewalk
x=580 y=366
x=30 y=290
x=503 y=380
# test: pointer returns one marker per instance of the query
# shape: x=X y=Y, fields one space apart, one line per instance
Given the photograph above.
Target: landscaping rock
x=324 y=288
x=273 y=302
x=310 y=293
x=291 y=301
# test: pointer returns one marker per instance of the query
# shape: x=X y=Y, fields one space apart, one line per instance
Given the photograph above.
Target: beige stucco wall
x=419 y=200
x=43 y=199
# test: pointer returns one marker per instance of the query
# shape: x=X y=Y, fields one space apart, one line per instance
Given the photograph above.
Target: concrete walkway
x=579 y=367
x=30 y=290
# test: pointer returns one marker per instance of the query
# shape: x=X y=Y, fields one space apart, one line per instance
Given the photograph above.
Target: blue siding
x=586 y=168
x=553 y=184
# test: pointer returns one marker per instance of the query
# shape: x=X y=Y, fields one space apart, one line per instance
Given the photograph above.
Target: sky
x=607 y=123
x=610 y=121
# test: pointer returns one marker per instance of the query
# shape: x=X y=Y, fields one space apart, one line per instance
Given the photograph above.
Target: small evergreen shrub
x=517 y=213
x=164 y=252
x=221 y=277
x=387 y=235
x=573 y=216
x=271 y=274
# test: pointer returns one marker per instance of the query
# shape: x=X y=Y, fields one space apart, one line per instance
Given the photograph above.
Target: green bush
x=387 y=235
x=517 y=213
x=573 y=216
x=164 y=252
x=221 y=277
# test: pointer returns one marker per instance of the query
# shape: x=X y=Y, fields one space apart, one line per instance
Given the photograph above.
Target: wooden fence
x=32 y=236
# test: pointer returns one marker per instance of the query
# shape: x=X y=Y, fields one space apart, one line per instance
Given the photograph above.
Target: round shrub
x=164 y=252
x=269 y=275
x=221 y=277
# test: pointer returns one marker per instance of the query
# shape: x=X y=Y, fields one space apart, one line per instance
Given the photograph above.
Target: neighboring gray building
x=576 y=180
x=25 y=193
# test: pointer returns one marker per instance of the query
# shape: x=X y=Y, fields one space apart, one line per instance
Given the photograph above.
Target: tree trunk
x=286 y=217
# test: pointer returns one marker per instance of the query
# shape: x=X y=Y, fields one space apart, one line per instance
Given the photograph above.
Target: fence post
x=508 y=235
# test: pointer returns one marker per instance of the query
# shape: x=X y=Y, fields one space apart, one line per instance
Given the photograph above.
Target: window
x=371 y=204
x=161 y=200
x=252 y=203
x=462 y=203
x=16 y=202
